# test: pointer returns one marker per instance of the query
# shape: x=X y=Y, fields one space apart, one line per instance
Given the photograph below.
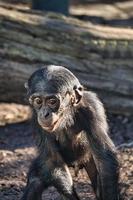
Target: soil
x=17 y=147
x=17 y=150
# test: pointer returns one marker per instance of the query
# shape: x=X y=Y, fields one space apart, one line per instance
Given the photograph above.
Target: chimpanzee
x=71 y=130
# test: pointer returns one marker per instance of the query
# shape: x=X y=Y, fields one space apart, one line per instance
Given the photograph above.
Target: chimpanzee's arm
x=102 y=148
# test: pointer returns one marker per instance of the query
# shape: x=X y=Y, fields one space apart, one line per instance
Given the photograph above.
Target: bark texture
x=101 y=57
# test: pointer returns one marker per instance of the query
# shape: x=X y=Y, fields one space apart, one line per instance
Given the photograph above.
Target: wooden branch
x=125 y=145
x=101 y=57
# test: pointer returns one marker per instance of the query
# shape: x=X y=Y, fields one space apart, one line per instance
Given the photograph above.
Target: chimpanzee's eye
x=53 y=102
x=37 y=101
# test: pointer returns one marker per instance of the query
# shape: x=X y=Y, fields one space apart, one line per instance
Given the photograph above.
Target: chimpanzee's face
x=49 y=109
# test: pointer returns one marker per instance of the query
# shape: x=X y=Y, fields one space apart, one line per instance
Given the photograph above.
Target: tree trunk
x=101 y=57
x=96 y=1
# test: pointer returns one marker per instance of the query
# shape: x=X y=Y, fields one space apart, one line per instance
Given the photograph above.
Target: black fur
x=80 y=140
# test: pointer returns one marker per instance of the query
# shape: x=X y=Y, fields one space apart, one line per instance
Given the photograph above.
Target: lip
x=50 y=128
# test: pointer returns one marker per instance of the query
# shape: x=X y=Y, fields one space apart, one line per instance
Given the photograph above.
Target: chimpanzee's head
x=52 y=91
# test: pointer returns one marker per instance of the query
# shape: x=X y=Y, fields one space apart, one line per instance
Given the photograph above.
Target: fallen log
x=101 y=57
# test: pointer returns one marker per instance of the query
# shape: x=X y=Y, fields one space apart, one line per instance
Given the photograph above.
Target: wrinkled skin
x=71 y=130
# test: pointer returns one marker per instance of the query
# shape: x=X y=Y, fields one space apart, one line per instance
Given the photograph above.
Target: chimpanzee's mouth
x=50 y=128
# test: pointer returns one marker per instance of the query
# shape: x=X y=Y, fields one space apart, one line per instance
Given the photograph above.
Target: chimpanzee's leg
x=46 y=174
x=91 y=170
x=63 y=182
x=35 y=185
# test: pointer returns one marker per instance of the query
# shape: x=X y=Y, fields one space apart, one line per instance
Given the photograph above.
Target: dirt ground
x=17 y=149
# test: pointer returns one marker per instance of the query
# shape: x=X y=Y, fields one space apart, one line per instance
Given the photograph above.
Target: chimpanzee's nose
x=46 y=115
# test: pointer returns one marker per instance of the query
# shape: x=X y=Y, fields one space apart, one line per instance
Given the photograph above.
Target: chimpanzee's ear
x=26 y=85
x=78 y=94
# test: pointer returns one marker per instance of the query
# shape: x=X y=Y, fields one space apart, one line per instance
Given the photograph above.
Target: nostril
x=46 y=115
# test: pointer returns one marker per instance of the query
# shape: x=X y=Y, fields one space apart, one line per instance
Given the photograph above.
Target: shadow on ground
x=17 y=150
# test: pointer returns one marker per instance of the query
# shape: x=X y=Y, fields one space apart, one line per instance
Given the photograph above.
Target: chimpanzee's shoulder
x=91 y=98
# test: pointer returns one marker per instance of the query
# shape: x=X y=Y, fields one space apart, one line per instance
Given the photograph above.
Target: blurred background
x=94 y=39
